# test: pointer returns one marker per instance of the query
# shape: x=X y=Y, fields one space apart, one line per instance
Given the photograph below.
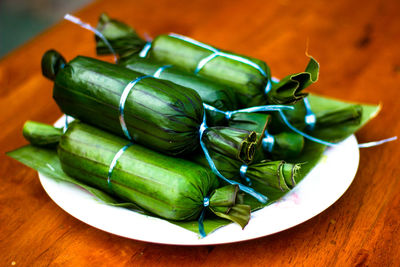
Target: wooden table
x=357 y=45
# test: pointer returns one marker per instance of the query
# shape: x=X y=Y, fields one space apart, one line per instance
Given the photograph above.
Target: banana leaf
x=39 y=158
x=158 y=114
x=312 y=151
x=270 y=178
x=248 y=76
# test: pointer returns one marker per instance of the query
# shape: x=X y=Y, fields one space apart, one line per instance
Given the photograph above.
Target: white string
x=87 y=26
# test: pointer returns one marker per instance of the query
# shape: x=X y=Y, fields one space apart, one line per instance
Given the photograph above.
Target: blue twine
x=87 y=26
x=268 y=87
x=268 y=142
x=310 y=119
x=294 y=129
x=145 y=50
x=243 y=170
x=261 y=198
x=219 y=53
x=122 y=101
x=326 y=143
x=377 y=143
x=228 y=114
x=160 y=70
x=275 y=80
x=114 y=162
x=206 y=203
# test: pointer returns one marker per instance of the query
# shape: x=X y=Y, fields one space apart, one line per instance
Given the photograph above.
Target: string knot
x=206 y=202
x=202 y=128
x=310 y=119
x=268 y=142
x=228 y=114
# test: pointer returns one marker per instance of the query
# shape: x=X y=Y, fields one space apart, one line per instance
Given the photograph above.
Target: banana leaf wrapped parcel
x=168 y=187
x=157 y=113
x=327 y=118
x=280 y=146
x=212 y=93
x=327 y=123
x=249 y=77
x=217 y=95
x=271 y=178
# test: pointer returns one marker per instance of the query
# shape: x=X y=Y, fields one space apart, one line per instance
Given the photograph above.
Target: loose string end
x=377 y=143
x=265 y=108
x=87 y=26
x=326 y=143
x=206 y=203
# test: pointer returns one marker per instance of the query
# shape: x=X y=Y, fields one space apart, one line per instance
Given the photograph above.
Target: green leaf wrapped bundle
x=229 y=141
x=158 y=114
x=249 y=77
x=39 y=134
x=212 y=93
x=324 y=119
x=270 y=178
x=171 y=188
x=284 y=145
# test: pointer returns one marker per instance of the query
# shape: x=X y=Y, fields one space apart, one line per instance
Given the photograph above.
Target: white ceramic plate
x=325 y=184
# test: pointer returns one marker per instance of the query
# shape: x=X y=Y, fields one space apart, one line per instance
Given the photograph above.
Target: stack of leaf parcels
x=157 y=130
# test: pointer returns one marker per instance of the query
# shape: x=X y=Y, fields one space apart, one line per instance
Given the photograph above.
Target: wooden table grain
x=357 y=45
